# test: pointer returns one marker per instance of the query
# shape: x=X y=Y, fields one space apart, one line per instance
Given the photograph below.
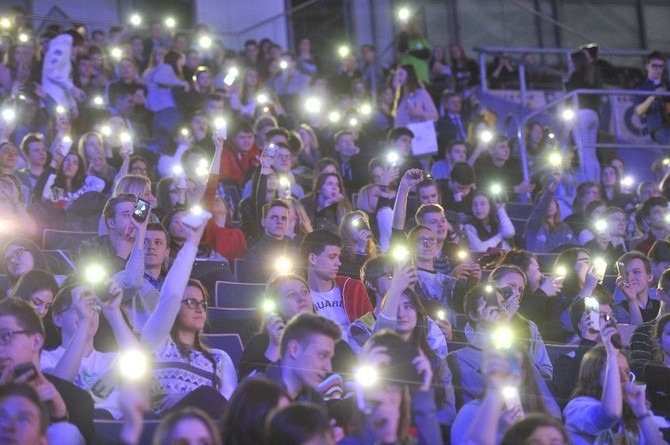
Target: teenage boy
x=338 y=298
x=275 y=243
x=652 y=109
x=638 y=306
x=35 y=152
x=457 y=190
x=653 y=215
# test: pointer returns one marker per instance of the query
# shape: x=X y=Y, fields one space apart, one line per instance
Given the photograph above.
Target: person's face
x=657 y=217
x=638 y=278
x=214 y=107
x=480 y=207
x=22 y=348
x=282 y=162
x=407 y=317
x=18 y=260
x=426 y=245
x=608 y=177
x=276 y=222
x=156 y=248
x=121 y=223
x=9 y=157
x=552 y=209
x=199 y=125
x=453 y=105
x=438 y=223
x=624 y=371
x=385 y=405
x=400 y=76
x=648 y=191
x=294 y=298
x=191 y=431
x=251 y=52
x=387 y=96
x=37 y=153
x=20 y=422
x=94 y=153
x=658 y=268
x=377 y=174
x=330 y=187
x=428 y=195
x=582 y=266
x=590 y=195
x=404 y=144
x=346 y=145
x=533 y=273
x=85 y=67
x=244 y=141
x=458 y=153
x=68 y=319
x=617 y=224
x=655 y=69
x=463 y=189
x=545 y=435
x=536 y=134
x=192 y=320
x=127 y=70
x=193 y=59
x=176 y=228
x=368 y=54
x=326 y=264
x=501 y=151
x=204 y=80
x=41 y=301
x=312 y=358
x=140 y=168
x=515 y=282
x=70 y=166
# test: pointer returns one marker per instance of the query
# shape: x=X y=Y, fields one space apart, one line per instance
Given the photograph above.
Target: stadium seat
x=546 y=261
x=244 y=322
x=109 y=431
x=519 y=210
x=238 y=295
x=65 y=240
x=247 y=272
x=555 y=350
x=455 y=345
x=59 y=261
x=519 y=225
x=230 y=343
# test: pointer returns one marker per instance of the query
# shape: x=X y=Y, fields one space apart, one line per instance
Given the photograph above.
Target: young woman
x=188 y=425
x=610 y=189
x=536 y=429
x=466 y=71
x=170 y=195
x=183 y=367
x=487 y=228
x=606 y=406
x=327 y=204
x=545 y=232
x=245 y=98
x=92 y=151
x=221 y=236
x=412 y=101
x=20 y=257
x=358 y=243
x=299 y=424
x=586 y=193
x=310 y=154
x=9 y=158
x=661 y=363
x=37 y=287
x=178 y=233
x=299 y=224
x=62 y=187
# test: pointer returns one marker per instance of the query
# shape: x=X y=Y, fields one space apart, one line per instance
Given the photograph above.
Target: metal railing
x=495 y=50
x=573 y=96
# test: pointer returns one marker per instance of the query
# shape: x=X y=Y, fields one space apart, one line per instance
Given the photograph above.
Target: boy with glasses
x=654 y=109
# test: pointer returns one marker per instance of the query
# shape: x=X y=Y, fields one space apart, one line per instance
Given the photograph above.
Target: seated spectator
x=487 y=228
x=646 y=190
x=610 y=243
x=592 y=214
x=249 y=408
x=310 y=153
x=178 y=234
x=534 y=427
x=610 y=189
x=587 y=192
x=9 y=158
x=274 y=243
x=358 y=243
x=338 y=298
x=642 y=341
x=69 y=181
x=299 y=224
x=299 y=423
x=20 y=257
x=659 y=368
x=137 y=185
x=15 y=218
x=456 y=151
x=399 y=141
x=239 y=155
x=654 y=217
x=327 y=203
x=603 y=390
x=36 y=155
x=457 y=190
x=38 y=288
x=634 y=282
x=186 y=373
x=187 y=425
x=92 y=151
x=545 y=232
x=220 y=235
x=498 y=168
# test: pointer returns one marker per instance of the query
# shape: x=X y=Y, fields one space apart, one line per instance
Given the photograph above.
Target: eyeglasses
x=194 y=304
x=658 y=66
x=6 y=336
x=427 y=241
x=284 y=157
x=16 y=256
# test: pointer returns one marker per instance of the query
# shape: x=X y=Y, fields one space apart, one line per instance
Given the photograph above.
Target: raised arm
x=400 y=208
x=132 y=277
x=404 y=276
x=213 y=180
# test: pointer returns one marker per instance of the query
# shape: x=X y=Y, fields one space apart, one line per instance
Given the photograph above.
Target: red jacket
x=235 y=163
x=354 y=296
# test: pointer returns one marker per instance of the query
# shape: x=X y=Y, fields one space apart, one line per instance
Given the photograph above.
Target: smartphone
x=195 y=219
x=621 y=269
x=599 y=268
x=416 y=175
x=511 y=396
x=270 y=151
x=592 y=307
x=23 y=368
x=141 y=210
x=65 y=145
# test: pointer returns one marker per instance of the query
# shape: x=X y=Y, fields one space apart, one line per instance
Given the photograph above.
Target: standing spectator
x=466 y=71
x=57 y=72
x=412 y=101
x=221 y=236
x=414 y=49
x=451 y=126
x=653 y=109
x=372 y=71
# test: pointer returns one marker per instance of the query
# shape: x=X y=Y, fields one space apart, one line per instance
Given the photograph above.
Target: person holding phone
x=635 y=277
x=488 y=226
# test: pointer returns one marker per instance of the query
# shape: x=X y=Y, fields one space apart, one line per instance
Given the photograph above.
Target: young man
x=451 y=126
x=338 y=298
x=306 y=350
x=456 y=152
x=275 y=243
x=32 y=146
x=21 y=340
x=239 y=155
x=428 y=192
x=352 y=164
x=497 y=167
x=399 y=141
x=652 y=108
x=642 y=343
x=457 y=190
x=653 y=214
x=638 y=306
x=113 y=249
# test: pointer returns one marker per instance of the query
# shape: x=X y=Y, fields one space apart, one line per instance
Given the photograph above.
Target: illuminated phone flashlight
x=353 y=122
x=366 y=109
x=177 y=170
x=343 y=51
x=403 y=14
x=334 y=116
x=125 y=137
x=486 y=136
x=488 y=289
x=184 y=132
x=561 y=272
x=94 y=274
x=313 y=105
x=509 y=392
x=568 y=114
x=262 y=98
x=60 y=109
x=667 y=217
x=555 y=159
x=600 y=225
x=283 y=64
x=268 y=306
x=116 y=53
x=441 y=314
x=284 y=182
x=356 y=223
x=196 y=210
x=8 y=115
x=366 y=375
x=666 y=161
x=551 y=135
x=231 y=75
x=283 y=266
x=496 y=189
x=205 y=42
x=599 y=265
x=133 y=365
x=5 y=23
x=170 y=22
x=98 y=101
x=591 y=304
x=219 y=123
x=627 y=181
x=105 y=130
x=135 y=20
x=400 y=253
x=23 y=37
x=392 y=158
x=203 y=168
x=67 y=140
x=502 y=338
x=463 y=255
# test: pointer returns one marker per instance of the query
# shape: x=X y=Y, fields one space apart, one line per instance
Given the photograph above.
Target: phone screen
x=141 y=210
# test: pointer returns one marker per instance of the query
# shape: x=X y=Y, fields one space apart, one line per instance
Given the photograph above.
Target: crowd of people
x=408 y=298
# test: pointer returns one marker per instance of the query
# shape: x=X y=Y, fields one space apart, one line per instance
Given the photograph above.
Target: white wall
x=231 y=16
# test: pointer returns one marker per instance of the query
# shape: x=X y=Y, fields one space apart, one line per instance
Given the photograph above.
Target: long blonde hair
x=303 y=225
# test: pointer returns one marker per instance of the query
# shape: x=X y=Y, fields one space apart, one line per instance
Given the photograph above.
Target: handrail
x=573 y=96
